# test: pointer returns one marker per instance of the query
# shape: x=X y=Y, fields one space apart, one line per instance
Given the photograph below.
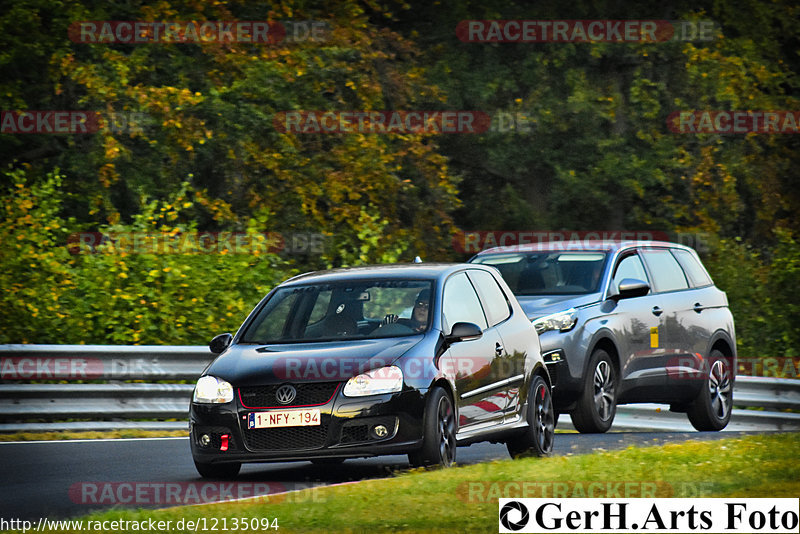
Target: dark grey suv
x=625 y=322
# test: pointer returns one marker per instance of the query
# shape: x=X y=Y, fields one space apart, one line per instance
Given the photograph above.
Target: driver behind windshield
x=419 y=315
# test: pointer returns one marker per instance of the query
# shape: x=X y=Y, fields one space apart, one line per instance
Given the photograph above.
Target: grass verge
x=465 y=499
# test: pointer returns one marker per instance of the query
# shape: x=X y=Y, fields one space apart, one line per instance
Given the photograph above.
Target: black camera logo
x=516 y=506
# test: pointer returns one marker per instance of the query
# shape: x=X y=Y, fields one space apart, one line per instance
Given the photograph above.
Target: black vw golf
x=396 y=359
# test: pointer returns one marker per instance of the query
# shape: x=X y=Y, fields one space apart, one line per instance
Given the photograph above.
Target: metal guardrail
x=104 y=362
x=116 y=404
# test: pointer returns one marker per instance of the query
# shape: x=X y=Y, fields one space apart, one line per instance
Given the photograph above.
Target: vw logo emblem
x=285 y=394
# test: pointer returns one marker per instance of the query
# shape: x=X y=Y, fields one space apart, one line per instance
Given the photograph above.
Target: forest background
x=579 y=141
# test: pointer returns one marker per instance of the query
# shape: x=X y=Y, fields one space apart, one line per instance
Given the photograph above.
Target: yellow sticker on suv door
x=654 y=337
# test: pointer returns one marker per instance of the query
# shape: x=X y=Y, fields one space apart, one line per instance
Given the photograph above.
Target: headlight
x=383 y=380
x=562 y=321
x=210 y=389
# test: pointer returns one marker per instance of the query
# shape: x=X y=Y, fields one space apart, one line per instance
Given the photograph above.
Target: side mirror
x=220 y=343
x=464 y=332
x=631 y=287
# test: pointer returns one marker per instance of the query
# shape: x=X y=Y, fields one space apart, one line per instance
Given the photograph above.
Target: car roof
x=429 y=271
x=579 y=246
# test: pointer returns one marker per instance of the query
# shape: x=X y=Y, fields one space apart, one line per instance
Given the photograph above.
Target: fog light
x=380 y=431
x=205 y=440
x=223 y=446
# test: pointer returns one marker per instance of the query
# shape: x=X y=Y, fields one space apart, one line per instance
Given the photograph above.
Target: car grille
x=281 y=439
x=308 y=394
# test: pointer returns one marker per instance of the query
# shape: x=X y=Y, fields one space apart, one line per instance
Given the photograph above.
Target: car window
x=694 y=270
x=340 y=311
x=548 y=273
x=667 y=273
x=278 y=308
x=320 y=307
x=461 y=303
x=495 y=303
x=629 y=267
x=392 y=301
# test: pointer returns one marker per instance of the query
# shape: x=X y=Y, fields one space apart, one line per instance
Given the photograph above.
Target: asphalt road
x=60 y=479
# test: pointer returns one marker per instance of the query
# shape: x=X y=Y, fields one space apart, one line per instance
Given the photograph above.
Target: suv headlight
x=210 y=389
x=383 y=380
x=561 y=321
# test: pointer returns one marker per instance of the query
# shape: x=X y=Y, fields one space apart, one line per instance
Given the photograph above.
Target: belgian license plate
x=283 y=418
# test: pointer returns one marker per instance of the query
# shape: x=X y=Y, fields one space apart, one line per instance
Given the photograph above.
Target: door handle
x=698 y=307
x=498 y=349
x=657 y=311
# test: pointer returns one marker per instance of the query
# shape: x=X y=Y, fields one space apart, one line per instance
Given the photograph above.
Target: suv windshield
x=549 y=273
x=340 y=311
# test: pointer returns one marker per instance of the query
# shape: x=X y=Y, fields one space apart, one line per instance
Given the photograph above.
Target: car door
x=672 y=291
x=637 y=324
x=480 y=389
x=696 y=316
x=509 y=362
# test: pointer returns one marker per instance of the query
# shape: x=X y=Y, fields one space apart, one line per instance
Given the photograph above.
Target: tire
x=711 y=409
x=540 y=434
x=597 y=404
x=218 y=471
x=439 y=432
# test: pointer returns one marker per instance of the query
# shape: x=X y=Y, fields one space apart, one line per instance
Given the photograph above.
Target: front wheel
x=540 y=434
x=598 y=402
x=439 y=432
x=218 y=471
x=711 y=410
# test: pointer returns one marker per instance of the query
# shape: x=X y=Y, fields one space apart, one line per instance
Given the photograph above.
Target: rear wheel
x=598 y=402
x=218 y=471
x=439 y=432
x=711 y=410
x=540 y=434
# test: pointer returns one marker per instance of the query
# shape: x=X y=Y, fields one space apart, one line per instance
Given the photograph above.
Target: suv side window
x=667 y=273
x=629 y=267
x=461 y=303
x=495 y=303
x=695 y=272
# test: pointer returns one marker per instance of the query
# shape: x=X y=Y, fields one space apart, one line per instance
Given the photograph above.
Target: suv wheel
x=598 y=402
x=540 y=434
x=711 y=410
x=439 y=432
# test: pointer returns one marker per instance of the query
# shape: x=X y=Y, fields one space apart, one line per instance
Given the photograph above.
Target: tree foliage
x=595 y=152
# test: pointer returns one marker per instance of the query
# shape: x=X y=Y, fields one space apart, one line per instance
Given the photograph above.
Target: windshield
x=549 y=273
x=352 y=310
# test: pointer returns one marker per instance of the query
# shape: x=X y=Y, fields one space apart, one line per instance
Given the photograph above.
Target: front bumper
x=345 y=430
